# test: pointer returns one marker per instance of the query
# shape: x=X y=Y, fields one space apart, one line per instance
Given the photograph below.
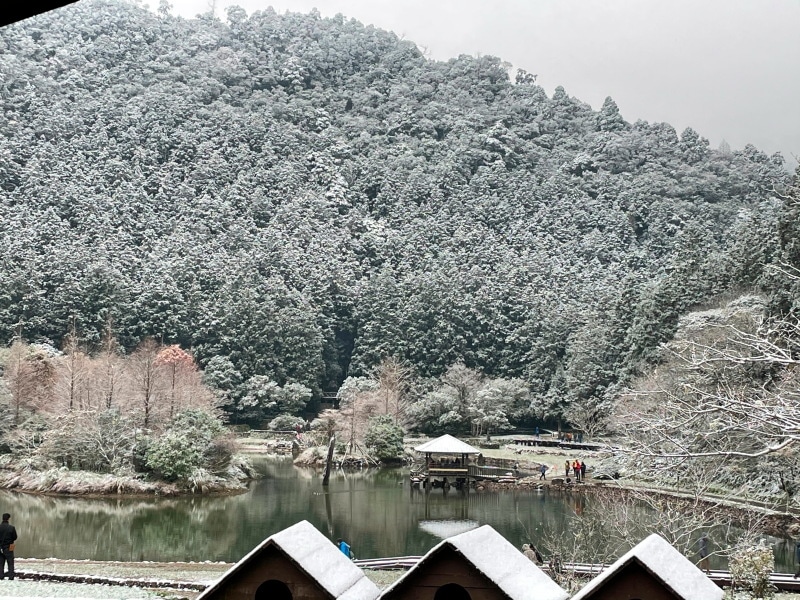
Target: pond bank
x=63 y=482
x=774 y=521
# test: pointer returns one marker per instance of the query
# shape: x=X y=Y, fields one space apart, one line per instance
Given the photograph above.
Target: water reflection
x=376 y=511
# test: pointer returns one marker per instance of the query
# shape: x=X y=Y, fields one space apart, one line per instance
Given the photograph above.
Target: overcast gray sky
x=728 y=68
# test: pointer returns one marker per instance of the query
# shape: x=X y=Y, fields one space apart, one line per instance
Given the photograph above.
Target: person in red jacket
x=8 y=535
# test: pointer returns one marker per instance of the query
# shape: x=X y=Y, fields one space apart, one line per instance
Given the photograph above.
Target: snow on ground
x=20 y=589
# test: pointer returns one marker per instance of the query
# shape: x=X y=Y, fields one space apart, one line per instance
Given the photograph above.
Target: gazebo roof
x=665 y=563
x=447 y=444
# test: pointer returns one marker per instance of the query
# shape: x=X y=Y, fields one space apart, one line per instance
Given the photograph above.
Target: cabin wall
x=633 y=582
x=442 y=569
x=271 y=565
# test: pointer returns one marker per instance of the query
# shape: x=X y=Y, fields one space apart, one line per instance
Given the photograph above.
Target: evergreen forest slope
x=300 y=197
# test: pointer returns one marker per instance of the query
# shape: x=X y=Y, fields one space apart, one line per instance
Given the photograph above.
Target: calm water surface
x=376 y=511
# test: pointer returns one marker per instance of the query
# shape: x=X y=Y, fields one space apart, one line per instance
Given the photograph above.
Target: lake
x=376 y=511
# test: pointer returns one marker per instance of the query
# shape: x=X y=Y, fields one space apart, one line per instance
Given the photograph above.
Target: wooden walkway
x=555 y=443
x=784 y=582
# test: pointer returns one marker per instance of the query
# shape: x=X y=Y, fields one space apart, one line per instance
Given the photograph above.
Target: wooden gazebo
x=447 y=461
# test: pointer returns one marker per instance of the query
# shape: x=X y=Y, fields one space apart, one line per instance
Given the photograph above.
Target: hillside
x=298 y=197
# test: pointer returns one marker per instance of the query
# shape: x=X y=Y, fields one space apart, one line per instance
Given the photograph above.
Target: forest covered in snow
x=295 y=199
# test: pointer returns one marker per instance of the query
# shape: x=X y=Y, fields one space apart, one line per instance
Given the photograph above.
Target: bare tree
x=603 y=527
x=180 y=367
x=30 y=376
x=110 y=359
x=73 y=369
x=359 y=400
x=728 y=388
x=394 y=378
x=143 y=369
x=464 y=383
x=18 y=376
x=591 y=417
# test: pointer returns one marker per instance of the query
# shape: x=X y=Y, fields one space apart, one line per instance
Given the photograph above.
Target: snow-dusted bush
x=750 y=566
x=189 y=444
x=384 y=438
x=285 y=423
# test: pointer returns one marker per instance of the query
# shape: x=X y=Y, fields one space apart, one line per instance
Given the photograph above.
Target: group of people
x=578 y=469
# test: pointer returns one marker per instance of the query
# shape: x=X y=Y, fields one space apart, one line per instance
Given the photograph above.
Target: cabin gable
x=264 y=577
x=446 y=573
x=633 y=581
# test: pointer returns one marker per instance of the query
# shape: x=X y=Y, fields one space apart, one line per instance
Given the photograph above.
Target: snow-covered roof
x=318 y=557
x=504 y=565
x=447 y=444
x=665 y=563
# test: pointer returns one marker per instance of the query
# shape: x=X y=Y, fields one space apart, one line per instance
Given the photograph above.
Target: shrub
x=173 y=456
x=98 y=442
x=285 y=423
x=750 y=566
x=193 y=441
x=384 y=438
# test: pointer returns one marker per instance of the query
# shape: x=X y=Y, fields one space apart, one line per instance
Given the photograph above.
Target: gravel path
x=20 y=589
x=193 y=573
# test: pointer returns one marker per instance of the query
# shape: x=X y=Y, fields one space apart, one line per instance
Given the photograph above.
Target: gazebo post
x=427 y=472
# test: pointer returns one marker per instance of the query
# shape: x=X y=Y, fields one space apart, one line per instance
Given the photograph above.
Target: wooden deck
x=555 y=443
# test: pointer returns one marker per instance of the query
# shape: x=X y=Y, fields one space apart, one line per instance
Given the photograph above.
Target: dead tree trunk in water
x=327 y=474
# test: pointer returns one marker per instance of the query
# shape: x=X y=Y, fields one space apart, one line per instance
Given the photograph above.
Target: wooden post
x=327 y=474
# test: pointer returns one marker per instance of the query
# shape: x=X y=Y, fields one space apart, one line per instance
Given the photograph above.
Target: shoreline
x=777 y=523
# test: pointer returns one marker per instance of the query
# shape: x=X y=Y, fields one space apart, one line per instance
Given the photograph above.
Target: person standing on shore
x=797 y=558
x=8 y=536
x=543 y=472
x=566 y=468
x=702 y=545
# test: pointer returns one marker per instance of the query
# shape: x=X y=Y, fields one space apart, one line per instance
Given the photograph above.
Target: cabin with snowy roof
x=476 y=565
x=651 y=570
x=298 y=563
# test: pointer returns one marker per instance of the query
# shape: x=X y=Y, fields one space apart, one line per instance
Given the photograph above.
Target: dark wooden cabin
x=476 y=565
x=652 y=570
x=298 y=563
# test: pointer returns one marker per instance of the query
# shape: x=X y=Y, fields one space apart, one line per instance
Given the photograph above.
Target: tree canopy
x=298 y=198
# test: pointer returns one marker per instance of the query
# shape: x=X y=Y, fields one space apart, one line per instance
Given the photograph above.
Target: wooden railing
x=782 y=581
